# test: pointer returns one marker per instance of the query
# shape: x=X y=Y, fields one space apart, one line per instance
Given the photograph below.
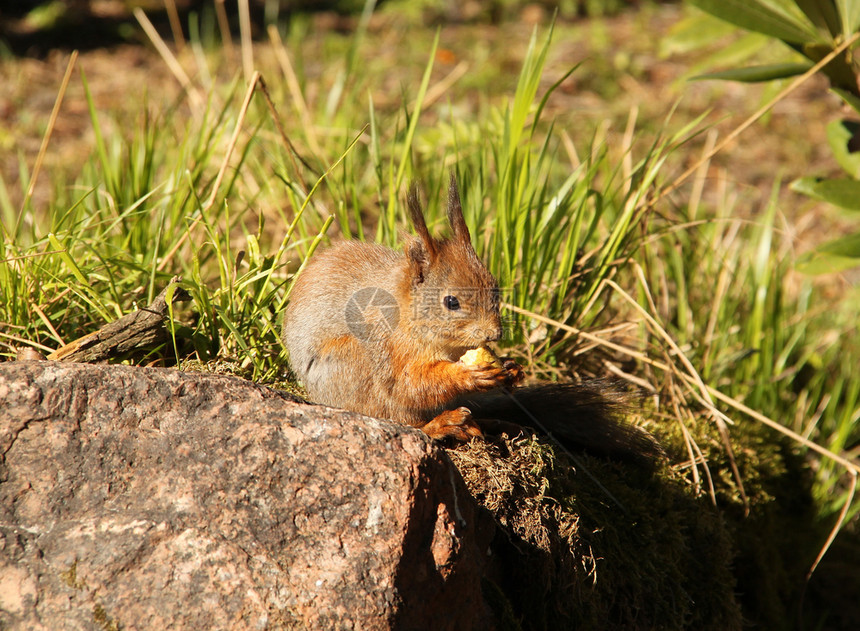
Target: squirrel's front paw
x=458 y=424
x=486 y=371
x=486 y=377
x=515 y=372
x=507 y=373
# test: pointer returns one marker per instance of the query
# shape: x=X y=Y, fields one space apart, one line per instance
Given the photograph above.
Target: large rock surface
x=137 y=498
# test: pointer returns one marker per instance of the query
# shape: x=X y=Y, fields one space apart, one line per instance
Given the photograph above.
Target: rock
x=135 y=498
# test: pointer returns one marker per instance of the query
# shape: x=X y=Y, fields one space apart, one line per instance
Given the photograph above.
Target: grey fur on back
x=317 y=315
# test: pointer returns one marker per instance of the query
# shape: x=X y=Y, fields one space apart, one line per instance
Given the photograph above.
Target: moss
x=70 y=577
x=588 y=543
x=772 y=524
x=235 y=368
x=506 y=619
x=100 y=616
x=103 y=620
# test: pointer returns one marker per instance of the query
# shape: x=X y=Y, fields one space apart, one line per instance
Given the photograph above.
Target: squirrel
x=381 y=332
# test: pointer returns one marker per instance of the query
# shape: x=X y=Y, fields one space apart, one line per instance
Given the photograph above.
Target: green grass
x=559 y=213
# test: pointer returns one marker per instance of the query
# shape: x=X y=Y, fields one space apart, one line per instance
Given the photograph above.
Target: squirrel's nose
x=494 y=333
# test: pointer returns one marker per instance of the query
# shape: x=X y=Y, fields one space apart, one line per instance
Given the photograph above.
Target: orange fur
x=337 y=344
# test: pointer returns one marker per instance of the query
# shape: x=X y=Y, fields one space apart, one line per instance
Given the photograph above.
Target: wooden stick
x=134 y=330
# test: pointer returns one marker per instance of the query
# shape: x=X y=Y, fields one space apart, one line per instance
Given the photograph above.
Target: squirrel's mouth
x=453 y=352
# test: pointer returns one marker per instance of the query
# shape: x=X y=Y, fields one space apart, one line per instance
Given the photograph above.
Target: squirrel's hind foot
x=457 y=424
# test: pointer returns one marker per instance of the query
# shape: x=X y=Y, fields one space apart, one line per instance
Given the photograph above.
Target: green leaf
x=849 y=14
x=852 y=101
x=47 y=16
x=694 y=32
x=840 y=137
x=776 y=19
x=842 y=192
x=63 y=253
x=735 y=54
x=823 y=14
x=833 y=256
x=755 y=74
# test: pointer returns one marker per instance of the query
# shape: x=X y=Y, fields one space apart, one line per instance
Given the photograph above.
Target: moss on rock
x=589 y=543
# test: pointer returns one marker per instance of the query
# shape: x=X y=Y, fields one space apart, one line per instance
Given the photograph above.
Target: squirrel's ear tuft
x=419 y=260
x=417 y=217
x=455 y=214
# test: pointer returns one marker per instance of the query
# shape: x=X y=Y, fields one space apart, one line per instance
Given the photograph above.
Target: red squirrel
x=381 y=332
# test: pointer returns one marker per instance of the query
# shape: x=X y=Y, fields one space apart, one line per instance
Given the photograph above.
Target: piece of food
x=480 y=356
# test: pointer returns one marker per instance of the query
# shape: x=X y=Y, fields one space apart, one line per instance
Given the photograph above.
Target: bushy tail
x=587 y=416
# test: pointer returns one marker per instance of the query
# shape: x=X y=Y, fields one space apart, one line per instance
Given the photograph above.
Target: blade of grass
x=169 y=58
x=224 y=164
x=387 y=226
x=52 y=120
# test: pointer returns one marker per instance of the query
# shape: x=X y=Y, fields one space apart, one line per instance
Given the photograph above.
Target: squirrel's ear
x=455 y=214
x=417 y=217
x=419 y=260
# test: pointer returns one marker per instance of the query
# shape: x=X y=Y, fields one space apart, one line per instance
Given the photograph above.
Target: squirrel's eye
x=451 y=303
